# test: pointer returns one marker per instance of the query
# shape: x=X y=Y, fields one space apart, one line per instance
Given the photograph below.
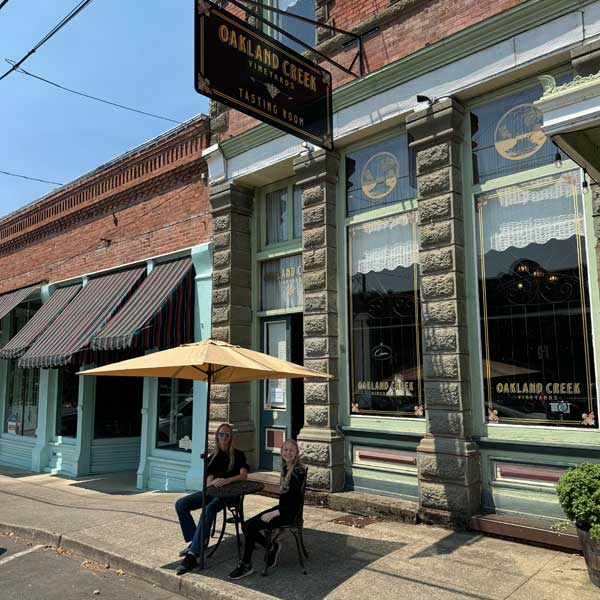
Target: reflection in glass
x=277 y=220
x=175 y=413
x=282 y=283
x=384 y=311
x=299 y=29
x=535 y=318
x=68 y=399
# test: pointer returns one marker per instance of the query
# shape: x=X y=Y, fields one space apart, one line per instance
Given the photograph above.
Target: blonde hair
x=286 y=473
x=230 y=448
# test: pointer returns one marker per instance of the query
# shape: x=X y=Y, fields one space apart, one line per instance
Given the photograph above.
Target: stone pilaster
x=321 y=444
x=448 y=461
x=231 y=207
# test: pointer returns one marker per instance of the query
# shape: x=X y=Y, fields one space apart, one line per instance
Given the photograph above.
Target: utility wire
x=2 y=4
x=141 y=112
x=30 y=178
x=53 y=31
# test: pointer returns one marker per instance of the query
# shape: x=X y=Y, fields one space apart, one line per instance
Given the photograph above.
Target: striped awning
x=144 y=306
x=91 y=309
x=42 y=319
x=13 y=299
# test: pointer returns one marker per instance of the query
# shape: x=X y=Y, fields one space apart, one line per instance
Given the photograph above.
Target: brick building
x=134 y=232
x=441 y=262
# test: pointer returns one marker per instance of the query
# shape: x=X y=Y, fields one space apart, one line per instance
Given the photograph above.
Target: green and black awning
x=155 y=313
x=11 y=300
x=40 y=322
x=88 y=313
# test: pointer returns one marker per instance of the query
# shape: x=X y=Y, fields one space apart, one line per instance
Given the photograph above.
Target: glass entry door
x=282 y=403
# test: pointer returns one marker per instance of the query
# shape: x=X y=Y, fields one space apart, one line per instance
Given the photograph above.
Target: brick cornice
x=111 y=203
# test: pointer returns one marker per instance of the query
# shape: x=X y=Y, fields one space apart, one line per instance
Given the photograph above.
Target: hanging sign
x=240 y=66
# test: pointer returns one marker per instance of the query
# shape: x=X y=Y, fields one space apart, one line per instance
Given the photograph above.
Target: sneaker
x=241 y=571
x=274 y=553
x=185 y=550
x=188 y=563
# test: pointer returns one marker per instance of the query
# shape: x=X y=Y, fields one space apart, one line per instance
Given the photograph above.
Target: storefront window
x=118 y=411
x=384 y=310
x=283 y=215
x=68 y=399
x=282 y=283
x=22 y=388
x=538 y=363
x=175 y=411
x=301 y=30
x=507 y=136
x=380 y=175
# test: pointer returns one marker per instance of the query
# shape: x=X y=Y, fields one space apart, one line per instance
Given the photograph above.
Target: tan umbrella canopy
x=225 y=363
x=211 y=361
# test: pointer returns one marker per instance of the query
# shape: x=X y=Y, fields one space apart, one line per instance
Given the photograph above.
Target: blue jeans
x=192 y=532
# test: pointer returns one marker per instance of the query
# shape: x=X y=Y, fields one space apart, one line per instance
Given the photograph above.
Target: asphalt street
x=35 y=572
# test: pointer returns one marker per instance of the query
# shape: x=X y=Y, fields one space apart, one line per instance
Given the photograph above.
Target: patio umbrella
x=211 y=361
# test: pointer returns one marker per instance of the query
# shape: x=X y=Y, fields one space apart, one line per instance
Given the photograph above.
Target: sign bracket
x=357 y=36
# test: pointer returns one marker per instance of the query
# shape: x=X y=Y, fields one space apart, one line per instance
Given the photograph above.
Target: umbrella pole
x=201 y=561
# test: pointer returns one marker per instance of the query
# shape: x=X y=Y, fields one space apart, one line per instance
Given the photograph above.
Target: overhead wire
x=62 y=87
x=30 y=178
x=2 y=4
x=74 y=12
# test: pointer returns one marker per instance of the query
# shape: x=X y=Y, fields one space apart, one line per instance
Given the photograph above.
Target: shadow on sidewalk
x=452 y=542
x=118 y=484
x=333 y=559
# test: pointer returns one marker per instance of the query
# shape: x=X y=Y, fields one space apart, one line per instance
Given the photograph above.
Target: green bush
x=579 y=496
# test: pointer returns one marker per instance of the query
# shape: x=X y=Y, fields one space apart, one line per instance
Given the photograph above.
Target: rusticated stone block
x=317 y=393
x=316 y=415
x=320 y=346
x=220 y=314
x=222 y=334
x=314 y=238
x=440 y=339
x=437 y=287
x=221 y=277
x=314 y=281
x=219 y=412
x=220 y=296
x=313 y=195
x=313 y=217
x=433 y=158
x=320 y=302
x=319 y=478
x=439 y=208
x=320 y=325
x=438 y=182
x=447 y=395
x=448 y=467
x=442 y=259
x=443 y=422
x=454 y=498
x=315 y=259
x=219 y=392
x=221 y=241
x=322 y=365
x=444 y=366
x=449 y=312
x=222 y=223
x=436 y=234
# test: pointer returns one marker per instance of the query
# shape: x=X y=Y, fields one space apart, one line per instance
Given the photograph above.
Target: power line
x=141 y=112
x=2 y=4
x=30 y=178
x=52 y=32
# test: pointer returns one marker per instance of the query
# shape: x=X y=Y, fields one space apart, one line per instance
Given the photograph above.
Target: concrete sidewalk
x=105 y=518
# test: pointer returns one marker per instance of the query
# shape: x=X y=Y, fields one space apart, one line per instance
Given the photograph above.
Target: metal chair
x=236 y=508
x=295 y=528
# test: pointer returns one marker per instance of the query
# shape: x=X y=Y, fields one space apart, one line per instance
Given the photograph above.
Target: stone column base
x=322 y=450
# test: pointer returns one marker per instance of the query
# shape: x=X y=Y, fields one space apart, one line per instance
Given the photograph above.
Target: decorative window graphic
x=535 y=315
x=507 y=136
x=380 y=175
x=274 y=439
x=282 y=283
x=385 y=327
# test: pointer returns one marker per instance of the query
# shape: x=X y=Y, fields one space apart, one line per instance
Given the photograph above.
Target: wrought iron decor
x=242 y=67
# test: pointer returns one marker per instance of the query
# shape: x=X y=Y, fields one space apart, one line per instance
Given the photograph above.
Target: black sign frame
x=260 y=76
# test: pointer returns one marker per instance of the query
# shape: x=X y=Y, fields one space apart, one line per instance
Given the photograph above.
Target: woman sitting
x=226 y=465
x=285 y=513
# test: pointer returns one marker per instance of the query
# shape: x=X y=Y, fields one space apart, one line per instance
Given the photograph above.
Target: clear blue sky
x=134 y=52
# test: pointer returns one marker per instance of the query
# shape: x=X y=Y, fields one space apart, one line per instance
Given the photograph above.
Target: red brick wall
x=414 y=30
x=163 y=207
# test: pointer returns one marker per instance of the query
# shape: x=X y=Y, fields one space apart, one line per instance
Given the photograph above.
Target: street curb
x=192 y=585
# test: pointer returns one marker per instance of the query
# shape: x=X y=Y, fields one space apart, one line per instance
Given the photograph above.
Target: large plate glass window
x=68 y=400
x=282 y=283
x=22 y=385
x=175 y=413
x=379 y=175
x=385 y=328
x=283 y=215
x=118 y=408
x=535 y=312
x=301 y=30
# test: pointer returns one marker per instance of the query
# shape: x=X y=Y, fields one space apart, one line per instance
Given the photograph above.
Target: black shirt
x=290 y=500
x=219 y=466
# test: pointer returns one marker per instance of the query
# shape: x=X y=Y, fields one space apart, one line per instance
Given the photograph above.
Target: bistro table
x=233 y=495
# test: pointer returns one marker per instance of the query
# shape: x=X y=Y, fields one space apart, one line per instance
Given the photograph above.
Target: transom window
x=283 y=215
